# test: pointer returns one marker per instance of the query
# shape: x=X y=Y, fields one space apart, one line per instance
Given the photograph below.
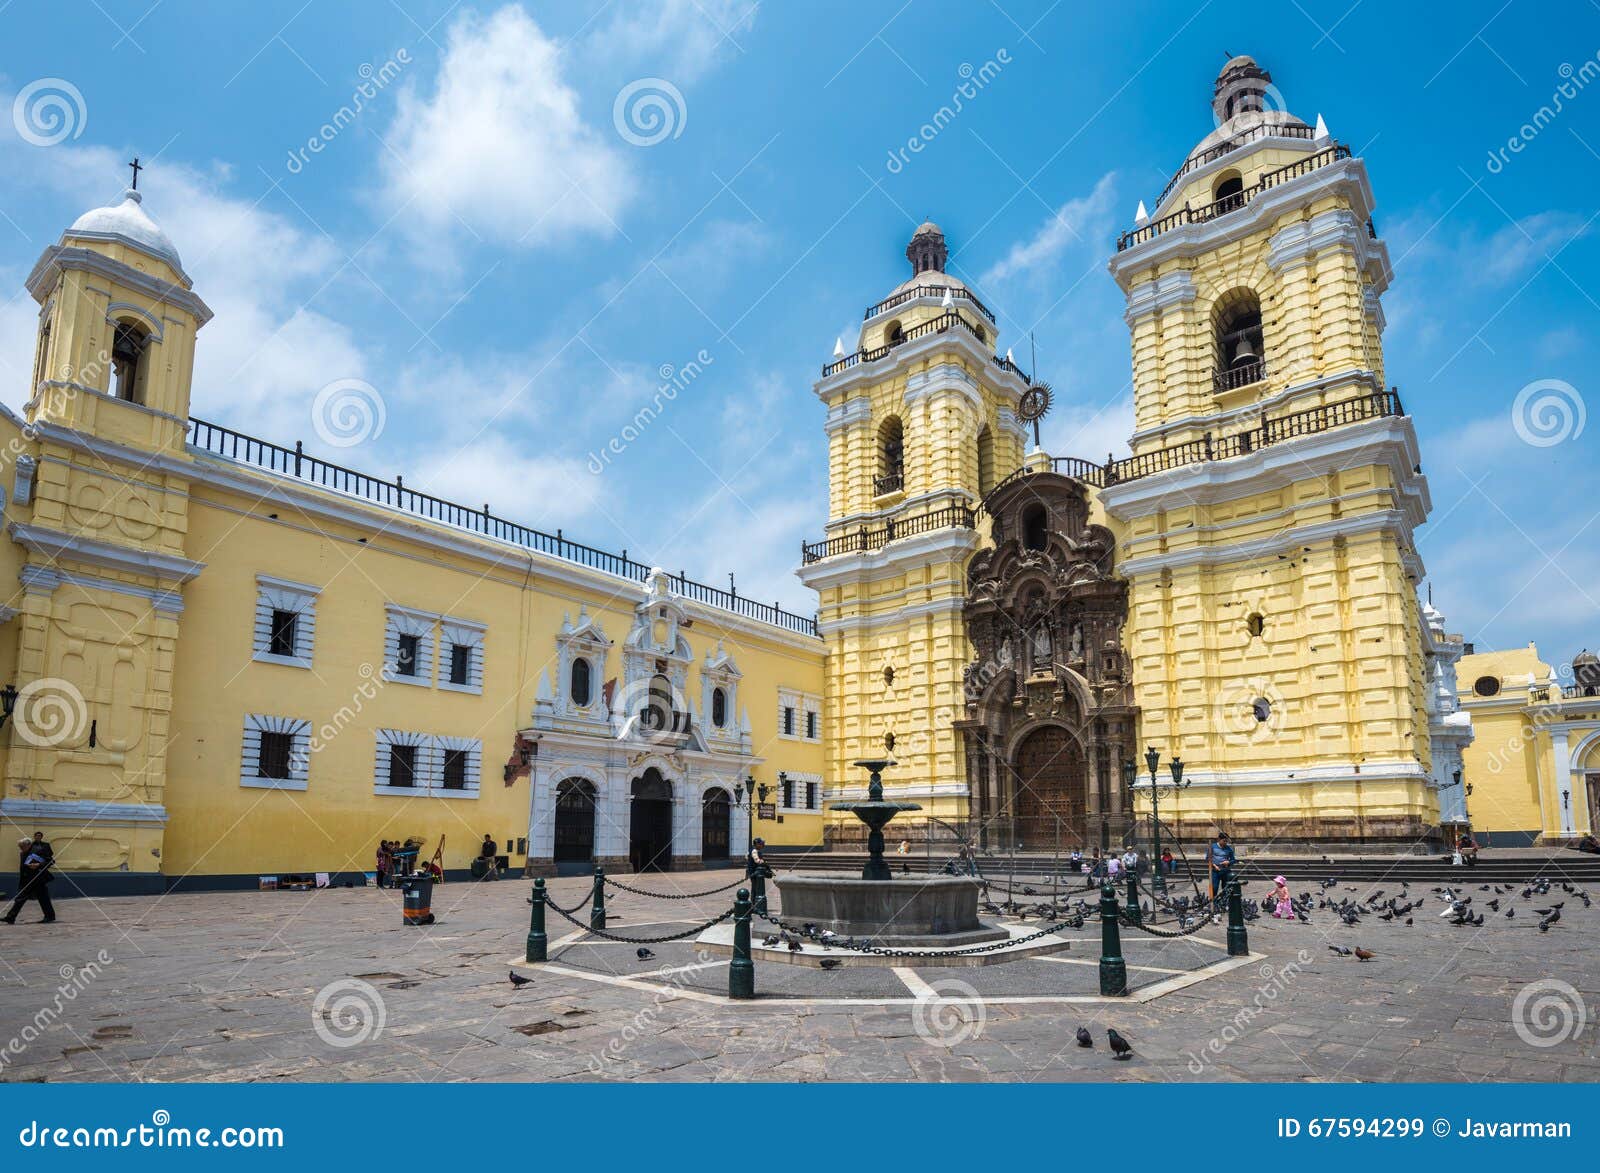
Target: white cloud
x=499 y=151
x=676 y=39
x=1085 y=222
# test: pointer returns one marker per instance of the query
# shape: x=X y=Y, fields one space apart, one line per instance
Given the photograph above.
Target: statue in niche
x=1042 y=648
x=1077 y=642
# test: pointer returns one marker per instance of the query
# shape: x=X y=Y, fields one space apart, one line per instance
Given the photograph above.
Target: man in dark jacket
x=33 y=878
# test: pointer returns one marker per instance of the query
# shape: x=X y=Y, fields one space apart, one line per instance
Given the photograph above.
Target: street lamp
x=8 y=701
x=1152 y=759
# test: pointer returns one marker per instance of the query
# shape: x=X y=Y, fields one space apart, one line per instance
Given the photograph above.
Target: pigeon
x=831 y=963
x=1119 y=1045
x=1510 y=912
x=1408 y=919
x=794 y=945
x=1555 y=915
x=1340 y=950
x=644 y=954
x=1085 y=1039
x=1364 y=954
x=518 y=980
x=769 y=942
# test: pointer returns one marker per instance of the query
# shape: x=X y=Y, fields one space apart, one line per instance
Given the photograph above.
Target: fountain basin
x=903 y=911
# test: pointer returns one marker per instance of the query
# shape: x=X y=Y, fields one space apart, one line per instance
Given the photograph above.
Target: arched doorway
x=715 y=825
x=575 y=807
x=1051 y=791
x=650 y=823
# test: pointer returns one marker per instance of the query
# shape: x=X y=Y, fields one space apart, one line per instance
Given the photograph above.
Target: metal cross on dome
x=137 y=167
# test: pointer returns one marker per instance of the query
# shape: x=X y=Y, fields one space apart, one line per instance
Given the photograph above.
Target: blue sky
x=516 y=270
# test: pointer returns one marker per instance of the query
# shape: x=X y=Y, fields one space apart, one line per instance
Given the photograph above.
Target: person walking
x=1221 y=858
x=33 y=878
x=384 y=863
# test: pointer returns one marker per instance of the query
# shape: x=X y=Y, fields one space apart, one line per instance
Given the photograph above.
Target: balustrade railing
x=1232 y=203
x=1212 y=154
x=956 y=292
x=949 y=320
x=875 y=538
x=1239 y=376
x=216 y=440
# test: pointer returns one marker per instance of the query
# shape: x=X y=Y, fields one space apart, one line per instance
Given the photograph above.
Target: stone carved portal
x=1049 y=706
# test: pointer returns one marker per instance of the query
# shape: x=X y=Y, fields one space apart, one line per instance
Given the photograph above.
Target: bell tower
x=99 y=510
x=920 y=416
x=1266 y=517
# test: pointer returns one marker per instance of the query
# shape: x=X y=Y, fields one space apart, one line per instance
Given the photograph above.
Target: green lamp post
x=1152 y=759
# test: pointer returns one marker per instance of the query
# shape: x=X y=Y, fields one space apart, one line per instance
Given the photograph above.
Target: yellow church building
x=233 y=659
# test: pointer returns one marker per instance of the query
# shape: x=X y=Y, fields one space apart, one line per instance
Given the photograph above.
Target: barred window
x=402 y=765
x=455 y=769
x=272 y=760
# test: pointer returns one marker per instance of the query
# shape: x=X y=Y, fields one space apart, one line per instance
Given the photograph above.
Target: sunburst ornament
x=1033 y=405
x=1035 y=402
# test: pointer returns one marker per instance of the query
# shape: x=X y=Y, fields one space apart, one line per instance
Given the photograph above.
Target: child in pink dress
x=1280 y=895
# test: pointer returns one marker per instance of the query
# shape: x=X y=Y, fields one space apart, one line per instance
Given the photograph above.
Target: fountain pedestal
x=910 y=911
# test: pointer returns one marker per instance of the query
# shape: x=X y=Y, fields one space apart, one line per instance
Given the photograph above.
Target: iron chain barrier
x=677 y=895
x=968 y=951
x=695 y=931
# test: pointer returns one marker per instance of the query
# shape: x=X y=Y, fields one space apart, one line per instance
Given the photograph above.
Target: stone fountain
x=885 y=909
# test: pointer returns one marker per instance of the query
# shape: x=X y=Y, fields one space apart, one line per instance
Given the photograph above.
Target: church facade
x=1240 y=594
x=233 y=659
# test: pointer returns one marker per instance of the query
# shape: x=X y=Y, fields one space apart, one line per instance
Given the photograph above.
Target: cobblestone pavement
x=331 y=986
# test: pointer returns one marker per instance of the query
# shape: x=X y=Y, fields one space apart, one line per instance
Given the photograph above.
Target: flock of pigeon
x=1402 y=907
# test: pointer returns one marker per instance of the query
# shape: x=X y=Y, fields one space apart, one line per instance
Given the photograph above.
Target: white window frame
x=802 y=703
x=279 y=594
x=255 y=724
x=422 y=783
x=473 y=748
x=400 y=621
x=469 y=634
x=429 y=781
x=801 y=781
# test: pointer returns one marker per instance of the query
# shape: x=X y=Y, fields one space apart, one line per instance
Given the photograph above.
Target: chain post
x=1113 y=970
x=1238 y=938
x=758 y=893
x=741 y=970
x=597 y=912
x=538 y=943
x=1134 y=913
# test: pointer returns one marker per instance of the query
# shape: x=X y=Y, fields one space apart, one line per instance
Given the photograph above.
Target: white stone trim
x=465 y=633
x=803 y=780
x=1158 y=295
x=277 y=594
x=299 y=731
x=54 y=545
x=801 y=703
x=955 y=543
x=81 y=810
x=400 y=621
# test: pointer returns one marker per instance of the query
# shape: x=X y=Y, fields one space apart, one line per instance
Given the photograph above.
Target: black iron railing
x=217 y=440
x=1578 y=691
x=956 y=292
x=1208 y=447
x=867 y=538
x=1239 y=376
x=1232 y=203
x=1211 y=154
x=892 y=483
x=949 y=320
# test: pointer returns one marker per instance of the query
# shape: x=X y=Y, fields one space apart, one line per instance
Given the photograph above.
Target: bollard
x=1238 y=939
x=741 y=970
x=758 y=893
x=537 y=941
x=1133 y=899
x=1113 y=970
x=597 y=913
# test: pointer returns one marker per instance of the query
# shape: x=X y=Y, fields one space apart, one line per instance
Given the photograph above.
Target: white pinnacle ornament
x=838 y=347
x=948 y=300
x=1140 y=216
x=1320 y=134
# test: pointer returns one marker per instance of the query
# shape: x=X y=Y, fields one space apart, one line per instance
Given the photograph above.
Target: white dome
x=127 y=221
